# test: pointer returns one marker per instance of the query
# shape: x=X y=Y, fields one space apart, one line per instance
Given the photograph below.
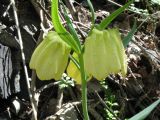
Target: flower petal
x=95 y=55
x=121 y=50
x=50 y=57
x=73 y=71
x=104 y=54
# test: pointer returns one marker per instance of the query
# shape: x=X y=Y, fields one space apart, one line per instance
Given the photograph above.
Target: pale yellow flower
x=73 y=71
x=104 y=54
x=50 y=57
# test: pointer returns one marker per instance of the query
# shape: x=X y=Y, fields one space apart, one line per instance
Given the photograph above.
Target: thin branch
x=114 y=3
x=110 y=110
x=59 y=99
x=5 y=13
x=39 y=4
x=45 y=87
x=23 y=59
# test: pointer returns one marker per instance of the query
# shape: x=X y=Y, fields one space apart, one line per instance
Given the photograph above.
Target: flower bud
x=104 y=54
x=50 y=57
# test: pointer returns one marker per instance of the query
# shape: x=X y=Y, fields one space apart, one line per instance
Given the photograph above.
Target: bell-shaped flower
x=73 y=71
x=50 y=57
x=104 y=54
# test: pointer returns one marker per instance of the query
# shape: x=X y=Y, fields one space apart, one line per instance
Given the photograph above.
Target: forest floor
x=116 y=98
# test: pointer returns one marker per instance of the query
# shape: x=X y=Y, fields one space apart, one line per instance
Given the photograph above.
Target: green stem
x=92 y=12
x=84 y=88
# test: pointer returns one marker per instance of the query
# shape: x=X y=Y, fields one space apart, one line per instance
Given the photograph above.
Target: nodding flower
x=73 y=71
x=104 y=54
x=50 y=58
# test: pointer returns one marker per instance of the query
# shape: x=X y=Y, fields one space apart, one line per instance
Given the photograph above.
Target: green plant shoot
x=103 y=52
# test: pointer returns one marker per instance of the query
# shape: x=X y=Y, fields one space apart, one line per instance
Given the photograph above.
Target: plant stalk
x=84 y=88
x=92 y=12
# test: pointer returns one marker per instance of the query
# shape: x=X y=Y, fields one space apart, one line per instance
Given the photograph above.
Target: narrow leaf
x=71 y=28
x=92 y=12
x=144 y=113
x=128 y=38
x=75 y=61
x=60 y=29
x=109 y=19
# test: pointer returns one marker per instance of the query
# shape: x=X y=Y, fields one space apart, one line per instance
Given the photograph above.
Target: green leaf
x=128 y=38
x=75 y=61
x=92 y=12
x=71 y=28
x=66 y=36
x=109 y=19
x=144 y=113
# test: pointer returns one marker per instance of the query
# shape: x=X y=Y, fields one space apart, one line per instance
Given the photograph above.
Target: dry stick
x=5 y=13
x=23 y=60
x=62 y=110
x=95 y=114
x=71 y=8
x=110 y=110
x=114 y=3
x=39 y=4
x=35 y=5
x=40 y=9
x=45 y=87
x=59 y=99
x=119 y=5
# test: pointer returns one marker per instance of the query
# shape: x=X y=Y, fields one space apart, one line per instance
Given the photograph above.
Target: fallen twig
x=23 y=60
x=111 y=111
